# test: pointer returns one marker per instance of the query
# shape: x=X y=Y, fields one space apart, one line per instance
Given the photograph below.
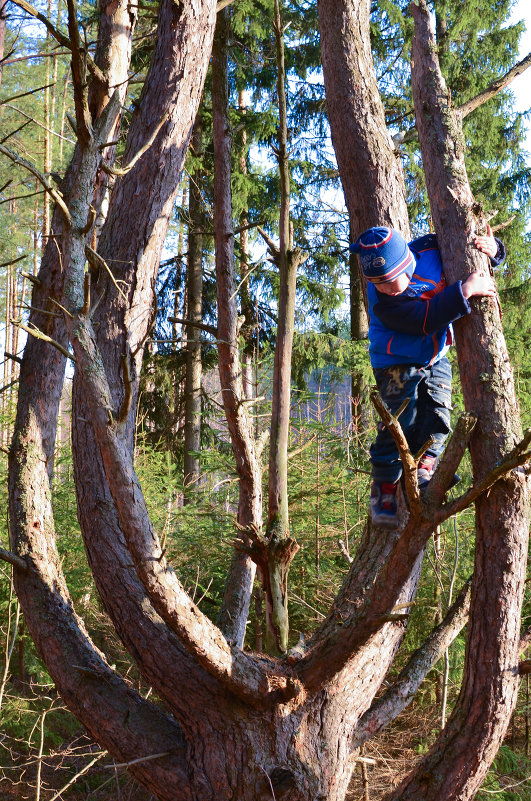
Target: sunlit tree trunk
x=194 y=293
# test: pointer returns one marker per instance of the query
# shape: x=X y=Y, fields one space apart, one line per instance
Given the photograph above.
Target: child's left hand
x=487 y=244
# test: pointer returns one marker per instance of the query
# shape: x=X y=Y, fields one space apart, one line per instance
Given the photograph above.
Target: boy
x=410 y=314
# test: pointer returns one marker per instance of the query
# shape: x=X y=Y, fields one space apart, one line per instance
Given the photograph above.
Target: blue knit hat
x=384 y=255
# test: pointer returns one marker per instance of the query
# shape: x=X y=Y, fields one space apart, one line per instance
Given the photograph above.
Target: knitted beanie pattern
x=384 y=255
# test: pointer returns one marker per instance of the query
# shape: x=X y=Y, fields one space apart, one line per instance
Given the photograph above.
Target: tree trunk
x=460 y=758
x=194 y=292
x=239 y=584
x=249 y=727
x=371 y=172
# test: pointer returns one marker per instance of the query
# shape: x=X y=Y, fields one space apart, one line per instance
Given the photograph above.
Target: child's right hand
x=479 y=285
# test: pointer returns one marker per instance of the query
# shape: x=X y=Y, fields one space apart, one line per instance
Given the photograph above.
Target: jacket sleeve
x=499 y=258
x=412 y=315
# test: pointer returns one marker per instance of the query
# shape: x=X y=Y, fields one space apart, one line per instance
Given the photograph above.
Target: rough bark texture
x=370 y=170
x=248 y=727
x=460 y=758
x=194 y=298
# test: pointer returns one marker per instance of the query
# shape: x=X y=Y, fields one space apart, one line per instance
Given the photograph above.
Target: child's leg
x=395 y=384
x=433 y=408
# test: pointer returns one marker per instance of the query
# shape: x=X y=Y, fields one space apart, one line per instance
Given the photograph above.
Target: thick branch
x=238 y=671
x=13 y=559
x=120 y=171
x=471 y=105
x=386 y=708
x=520 y=455
x=495 y=87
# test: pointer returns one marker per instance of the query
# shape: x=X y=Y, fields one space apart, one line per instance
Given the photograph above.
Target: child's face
x=395 y=287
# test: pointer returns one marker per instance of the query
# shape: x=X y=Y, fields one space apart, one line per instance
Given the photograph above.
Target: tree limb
x=409 y=464
x=60 y=37
x=120 y=171
x=35 y=332
x=471 y=105
x=495 y=87
x=386 y=708
x=210 y=329
x=519 y=455
x=13 y=559
x=16 y=159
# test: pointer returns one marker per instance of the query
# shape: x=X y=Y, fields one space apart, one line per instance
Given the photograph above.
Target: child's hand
x=487 y=244
x=479 y=285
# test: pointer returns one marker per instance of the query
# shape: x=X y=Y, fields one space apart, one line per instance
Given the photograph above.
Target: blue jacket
x=415 y=326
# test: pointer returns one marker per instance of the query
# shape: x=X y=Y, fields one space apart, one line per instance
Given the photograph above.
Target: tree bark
x=460 y=758
x=238 y=588
x=194 y=292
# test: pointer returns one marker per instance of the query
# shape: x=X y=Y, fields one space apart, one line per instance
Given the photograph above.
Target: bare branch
x=128 y=167
x=13 y=559
x=495 y=87
x=24 y=94
x=471 y=105
x=16 y=159
x=421 y=662
x=59 y=37
x=78 y=66
x=223 y=4
x=210 y=329
x=13 y=261
x=96 y=261
x=35 y=332
x=519 y=455
x=409 y=464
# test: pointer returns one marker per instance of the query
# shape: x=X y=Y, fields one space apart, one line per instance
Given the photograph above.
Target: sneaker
x=426 y=469
x=383 y=504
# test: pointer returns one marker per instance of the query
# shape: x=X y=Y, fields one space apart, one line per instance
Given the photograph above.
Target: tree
x=241 y=725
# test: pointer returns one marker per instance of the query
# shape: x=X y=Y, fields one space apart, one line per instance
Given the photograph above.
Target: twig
x=125 y=408
x=116 y=171
x=96 y=261
x=40 y=177
x=134 y=762
x=35 y=332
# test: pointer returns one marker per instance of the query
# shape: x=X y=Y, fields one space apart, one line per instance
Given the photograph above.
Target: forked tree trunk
x=460 y=758
x=249 y=727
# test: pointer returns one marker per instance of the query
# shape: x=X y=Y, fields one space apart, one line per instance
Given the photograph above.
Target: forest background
x=190 y=483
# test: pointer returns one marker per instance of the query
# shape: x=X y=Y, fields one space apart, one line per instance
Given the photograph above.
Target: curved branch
x=238 y=671
x=60 y=37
